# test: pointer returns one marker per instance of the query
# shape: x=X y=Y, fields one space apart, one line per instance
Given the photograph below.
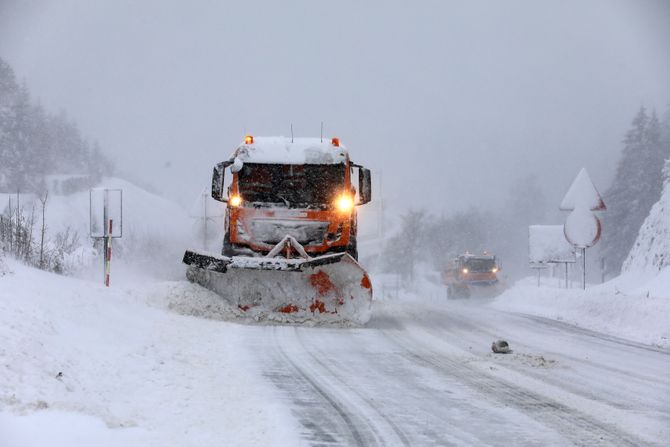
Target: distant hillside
x=35 y=143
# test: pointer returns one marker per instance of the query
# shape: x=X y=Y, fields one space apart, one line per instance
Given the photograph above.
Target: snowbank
x=619 y=308
x=89 y=365
x=651 y=250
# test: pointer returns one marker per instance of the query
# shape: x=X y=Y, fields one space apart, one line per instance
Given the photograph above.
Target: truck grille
x=271 y=231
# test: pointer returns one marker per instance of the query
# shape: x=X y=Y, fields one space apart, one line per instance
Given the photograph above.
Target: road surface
x=424 y=374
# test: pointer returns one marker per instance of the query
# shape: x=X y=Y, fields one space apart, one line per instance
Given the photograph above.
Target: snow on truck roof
x=281 y=150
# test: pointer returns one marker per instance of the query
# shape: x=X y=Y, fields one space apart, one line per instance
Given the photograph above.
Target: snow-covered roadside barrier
x=80 y=362
x=620 y=307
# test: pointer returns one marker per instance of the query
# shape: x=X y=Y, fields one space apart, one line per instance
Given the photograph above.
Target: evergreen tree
x=34 y=143
x=636 y=187
x=8 y=92
x=18 y=151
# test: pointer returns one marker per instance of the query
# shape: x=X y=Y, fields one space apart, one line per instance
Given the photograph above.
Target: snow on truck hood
x=282 y=150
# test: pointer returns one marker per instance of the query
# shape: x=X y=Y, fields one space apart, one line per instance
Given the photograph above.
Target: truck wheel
x=227 y=249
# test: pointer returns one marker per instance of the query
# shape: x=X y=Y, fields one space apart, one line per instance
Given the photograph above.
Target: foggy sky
x=451 y=101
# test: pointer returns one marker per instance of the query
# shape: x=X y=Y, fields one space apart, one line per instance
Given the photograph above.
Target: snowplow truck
x=470 y=274
x=289 y=249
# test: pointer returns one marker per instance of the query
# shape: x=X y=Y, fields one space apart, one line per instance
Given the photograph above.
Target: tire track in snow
x=399 y=434
x=657 y=381
x=589 y=333
x=571 y=423
x=319 y=411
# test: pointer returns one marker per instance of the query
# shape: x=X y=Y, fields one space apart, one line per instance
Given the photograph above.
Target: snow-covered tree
x=34 y=143
x=404 y=249
x=636 y=187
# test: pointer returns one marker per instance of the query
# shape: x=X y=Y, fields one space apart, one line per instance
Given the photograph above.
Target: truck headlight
x=344 y=203
x=235 y=201
x=465 y=271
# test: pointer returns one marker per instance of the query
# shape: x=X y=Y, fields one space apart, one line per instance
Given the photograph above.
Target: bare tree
x=43 y=230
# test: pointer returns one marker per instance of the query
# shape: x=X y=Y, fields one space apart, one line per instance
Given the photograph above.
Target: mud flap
x=331 y=288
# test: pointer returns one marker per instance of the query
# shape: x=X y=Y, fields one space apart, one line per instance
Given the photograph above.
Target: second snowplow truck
x=470 y=274
x=289 y=250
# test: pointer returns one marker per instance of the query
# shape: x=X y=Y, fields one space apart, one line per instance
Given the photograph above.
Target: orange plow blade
x=326 y=289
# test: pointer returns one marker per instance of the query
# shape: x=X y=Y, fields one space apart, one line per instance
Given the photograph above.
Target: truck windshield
x=295 y=186
x=480 y=265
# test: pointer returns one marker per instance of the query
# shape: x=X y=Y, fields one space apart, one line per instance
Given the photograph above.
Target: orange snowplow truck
x=468 y=273
x=302 y=188
x=290 y=224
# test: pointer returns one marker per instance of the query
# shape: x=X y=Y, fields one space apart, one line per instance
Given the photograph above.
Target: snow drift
x=651 y=251
x=88 y=365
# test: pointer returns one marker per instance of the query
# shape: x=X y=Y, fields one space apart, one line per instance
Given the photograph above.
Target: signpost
x=547 y=245
x=106 y=221
x=582 y=228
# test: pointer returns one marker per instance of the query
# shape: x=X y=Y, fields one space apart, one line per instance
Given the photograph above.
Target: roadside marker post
x=106 y=222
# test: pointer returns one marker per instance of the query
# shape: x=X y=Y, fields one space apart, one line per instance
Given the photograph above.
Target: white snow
x=651 y=250
x=287 y=151
x=143 y=212
x=582 y=194
x=96 y=366
x=621 y=307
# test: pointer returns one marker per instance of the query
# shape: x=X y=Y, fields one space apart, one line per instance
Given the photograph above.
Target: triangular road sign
x=582 y=194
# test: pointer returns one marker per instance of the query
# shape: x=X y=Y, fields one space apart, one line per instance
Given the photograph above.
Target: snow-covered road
x=96 y=366
x=423 y=374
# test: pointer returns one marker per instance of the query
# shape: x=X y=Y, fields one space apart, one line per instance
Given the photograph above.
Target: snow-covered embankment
x=96 y=366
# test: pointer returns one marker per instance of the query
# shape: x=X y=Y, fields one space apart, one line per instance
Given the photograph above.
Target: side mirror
x=217 y=181
x=364 y=186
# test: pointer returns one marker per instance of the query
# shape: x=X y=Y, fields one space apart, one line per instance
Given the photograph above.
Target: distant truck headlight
x=465 y=271
x=344 y=203
x=494 y=270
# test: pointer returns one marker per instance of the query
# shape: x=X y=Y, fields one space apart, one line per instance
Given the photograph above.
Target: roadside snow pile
x=618 y=307
x=651 y=250
x=81 y=364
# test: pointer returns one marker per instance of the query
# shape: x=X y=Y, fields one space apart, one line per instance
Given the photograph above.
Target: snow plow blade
x=331 y=288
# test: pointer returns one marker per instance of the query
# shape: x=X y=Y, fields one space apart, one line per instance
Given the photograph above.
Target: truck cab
x=307 y=188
